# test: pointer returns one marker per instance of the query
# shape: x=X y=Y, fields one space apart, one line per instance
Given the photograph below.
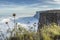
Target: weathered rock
x=48 y=17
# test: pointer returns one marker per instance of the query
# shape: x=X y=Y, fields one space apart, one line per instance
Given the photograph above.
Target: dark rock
x=48 y=17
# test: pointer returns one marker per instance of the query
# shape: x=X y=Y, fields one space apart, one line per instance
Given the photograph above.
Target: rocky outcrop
x=37 y=15
x=48 y=17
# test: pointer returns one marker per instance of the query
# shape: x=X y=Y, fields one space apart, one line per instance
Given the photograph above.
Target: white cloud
x=22 y=10
x=5 y=20
x=57 y=0
x=26 y=10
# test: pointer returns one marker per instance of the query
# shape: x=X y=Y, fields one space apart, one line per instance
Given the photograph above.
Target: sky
x=27 y=7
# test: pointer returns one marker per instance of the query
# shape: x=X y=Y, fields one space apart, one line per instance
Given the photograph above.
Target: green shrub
x=46 y=33
x=50 y=31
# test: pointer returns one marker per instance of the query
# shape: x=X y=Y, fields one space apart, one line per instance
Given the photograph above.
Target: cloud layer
x=26 y=8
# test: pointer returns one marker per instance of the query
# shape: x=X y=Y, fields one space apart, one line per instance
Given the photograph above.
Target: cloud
x=26 y=10
x=5 y=20
x=56 y=0
x=53 y=2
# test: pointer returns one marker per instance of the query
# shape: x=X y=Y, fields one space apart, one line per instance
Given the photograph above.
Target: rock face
x=37 y=15
x=48 y=17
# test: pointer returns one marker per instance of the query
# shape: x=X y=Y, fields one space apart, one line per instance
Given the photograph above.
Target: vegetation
x=47 y=32
x=21 y=33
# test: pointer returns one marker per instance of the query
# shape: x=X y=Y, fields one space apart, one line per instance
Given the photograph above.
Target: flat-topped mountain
x=48 y=17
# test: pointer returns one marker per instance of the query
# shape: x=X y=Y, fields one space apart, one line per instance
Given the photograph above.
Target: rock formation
x=48 y=17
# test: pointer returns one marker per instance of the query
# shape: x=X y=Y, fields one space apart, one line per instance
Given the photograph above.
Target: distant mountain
x=28 y=20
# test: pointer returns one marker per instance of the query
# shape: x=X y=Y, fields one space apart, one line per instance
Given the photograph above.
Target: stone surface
x=48 y=17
